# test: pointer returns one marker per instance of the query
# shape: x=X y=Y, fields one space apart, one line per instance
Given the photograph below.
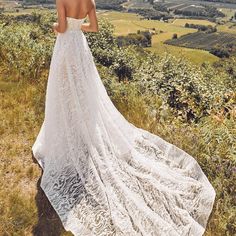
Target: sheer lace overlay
x=103 y=175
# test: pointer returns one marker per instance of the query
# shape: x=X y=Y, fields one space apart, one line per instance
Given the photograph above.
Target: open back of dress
x=103 y=175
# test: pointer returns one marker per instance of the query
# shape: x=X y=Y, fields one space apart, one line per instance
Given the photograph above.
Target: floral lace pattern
x=103 y=175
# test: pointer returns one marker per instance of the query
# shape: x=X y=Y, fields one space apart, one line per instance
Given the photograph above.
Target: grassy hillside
x=193 y=107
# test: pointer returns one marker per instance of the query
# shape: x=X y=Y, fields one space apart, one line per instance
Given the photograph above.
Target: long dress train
x=103 y=175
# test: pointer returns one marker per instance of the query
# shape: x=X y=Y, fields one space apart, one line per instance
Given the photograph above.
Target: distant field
x=216 y=4
x=229 y=12
x=193 y=55
x=228 y=27
x=115 y=15
x=8 y=4
x=129 y=23
x=182 y=22
x=206 y=41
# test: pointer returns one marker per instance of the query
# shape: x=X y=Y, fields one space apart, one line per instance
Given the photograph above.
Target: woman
x=103 y=175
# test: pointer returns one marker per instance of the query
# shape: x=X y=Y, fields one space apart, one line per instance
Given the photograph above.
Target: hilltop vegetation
x=101 y=4
x=190 y=106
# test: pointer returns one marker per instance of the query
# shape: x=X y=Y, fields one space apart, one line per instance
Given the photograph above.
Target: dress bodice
x=73 y=23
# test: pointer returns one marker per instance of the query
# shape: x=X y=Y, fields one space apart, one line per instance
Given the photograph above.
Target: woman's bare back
x=77 y=8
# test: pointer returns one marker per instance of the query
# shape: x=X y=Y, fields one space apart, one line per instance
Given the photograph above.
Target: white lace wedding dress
x=103 y=175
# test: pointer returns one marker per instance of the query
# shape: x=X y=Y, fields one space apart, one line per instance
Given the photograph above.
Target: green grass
x=18 y=174
x=21 y=113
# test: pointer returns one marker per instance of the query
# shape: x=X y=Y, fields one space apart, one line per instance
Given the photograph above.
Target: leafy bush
x=142 y=39
x=25 y=50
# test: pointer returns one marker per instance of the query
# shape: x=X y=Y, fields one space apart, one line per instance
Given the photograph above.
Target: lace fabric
x=103 y=175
